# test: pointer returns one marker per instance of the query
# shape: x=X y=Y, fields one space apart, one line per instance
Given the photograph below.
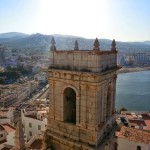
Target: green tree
x=123 y=109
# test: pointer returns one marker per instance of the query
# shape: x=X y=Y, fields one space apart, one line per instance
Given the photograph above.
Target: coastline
x=136 y=69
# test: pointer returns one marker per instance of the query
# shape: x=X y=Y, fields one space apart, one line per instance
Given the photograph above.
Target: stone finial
x=113 y=45
x=76 y=45
x=53 y=47
x=19 y=137
x=96 y=44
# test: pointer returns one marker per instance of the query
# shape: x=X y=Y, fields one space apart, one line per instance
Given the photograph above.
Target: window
x=138 y=147
x=39 y=127
x=30 y=125
x=30 y=133
x=1 y=135
x=69 y=105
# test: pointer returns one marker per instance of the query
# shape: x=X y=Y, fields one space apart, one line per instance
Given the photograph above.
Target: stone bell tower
x=82 y=86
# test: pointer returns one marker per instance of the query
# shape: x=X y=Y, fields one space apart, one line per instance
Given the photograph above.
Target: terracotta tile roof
x=37 y=144
x=129 y=116
x=147 y=124
x=132 y=134
x=8 y=128
x=137 y=122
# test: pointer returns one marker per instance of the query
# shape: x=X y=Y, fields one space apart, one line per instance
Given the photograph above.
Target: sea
x=133 y=91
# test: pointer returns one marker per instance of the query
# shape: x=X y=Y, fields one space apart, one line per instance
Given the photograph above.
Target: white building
x=41 y=77
x=33 y=122
x=133 y=139
x=7 y=115
x=7 y=133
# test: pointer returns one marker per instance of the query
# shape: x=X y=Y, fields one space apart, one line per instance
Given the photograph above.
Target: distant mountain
x=147 y=42
x=41 y=42
x=13 y=35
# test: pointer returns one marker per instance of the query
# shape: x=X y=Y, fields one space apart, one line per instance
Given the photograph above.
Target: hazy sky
x=124 y=20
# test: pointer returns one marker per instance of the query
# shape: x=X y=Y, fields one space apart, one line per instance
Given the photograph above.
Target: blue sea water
x=133 y=91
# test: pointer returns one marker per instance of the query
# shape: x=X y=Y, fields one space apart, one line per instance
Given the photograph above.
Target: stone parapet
x=83 y=60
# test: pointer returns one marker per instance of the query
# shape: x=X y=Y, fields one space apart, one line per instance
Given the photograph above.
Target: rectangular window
x=30 y=125
x=39 y=127
x=30 y=133
x=1 y=135
x=138 y=147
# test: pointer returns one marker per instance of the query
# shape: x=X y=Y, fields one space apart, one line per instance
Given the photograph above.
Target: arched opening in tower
x=108 y=102
x=69 y=105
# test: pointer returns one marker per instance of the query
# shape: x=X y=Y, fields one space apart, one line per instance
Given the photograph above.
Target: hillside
x=42 y=42
x=13 y=35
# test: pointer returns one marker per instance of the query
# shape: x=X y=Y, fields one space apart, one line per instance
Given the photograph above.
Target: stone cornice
x=81 y=76
x=86 y=51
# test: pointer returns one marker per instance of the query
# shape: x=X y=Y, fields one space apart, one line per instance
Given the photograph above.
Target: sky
x=123 y=20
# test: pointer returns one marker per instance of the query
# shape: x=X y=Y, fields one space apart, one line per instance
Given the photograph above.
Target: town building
x=41 y=77
x=82 y=85
x=16 y=92
x=7 y=115
x=34 y=122
x=15 y=141
x=136 y=119
x=7 y=133
x=133 y=139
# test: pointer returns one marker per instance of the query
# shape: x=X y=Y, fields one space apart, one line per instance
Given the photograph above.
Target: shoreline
x=136 y=69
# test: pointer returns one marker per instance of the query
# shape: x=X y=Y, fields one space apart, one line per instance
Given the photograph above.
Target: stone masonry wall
x=84 y=60
x=91 y=91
